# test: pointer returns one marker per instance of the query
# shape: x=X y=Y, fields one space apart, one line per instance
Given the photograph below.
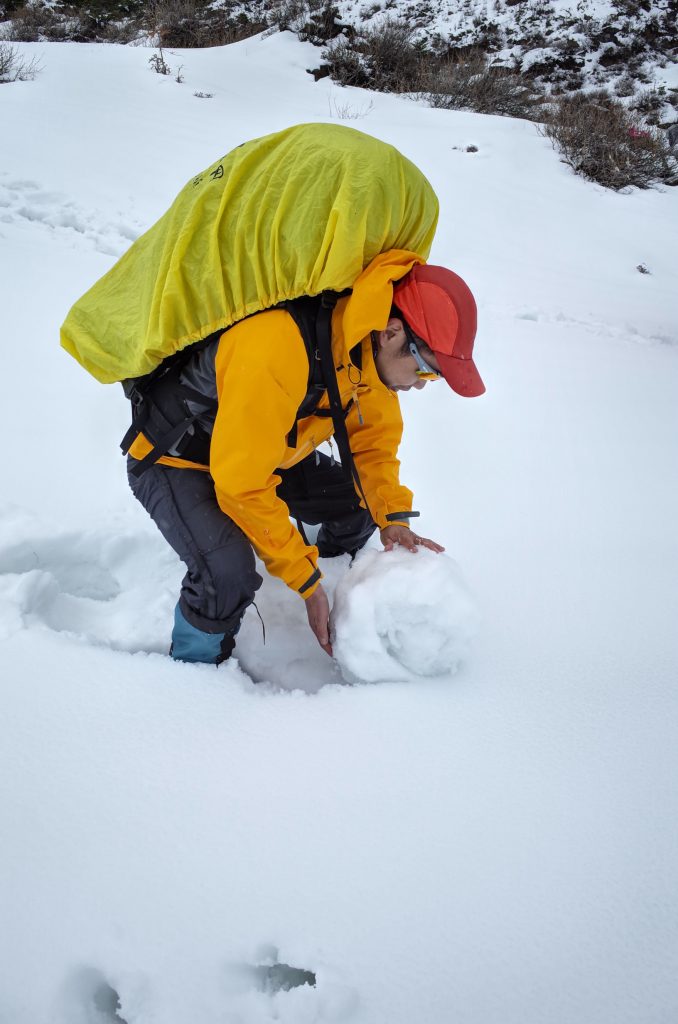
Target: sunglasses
x=423 y=371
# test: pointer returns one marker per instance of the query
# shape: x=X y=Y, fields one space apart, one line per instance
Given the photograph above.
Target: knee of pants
x=232 y=579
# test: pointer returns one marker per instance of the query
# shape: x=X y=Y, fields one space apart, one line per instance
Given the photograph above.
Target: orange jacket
x=262 y=377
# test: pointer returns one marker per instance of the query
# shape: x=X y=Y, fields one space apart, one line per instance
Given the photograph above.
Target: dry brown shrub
x=384 y=58
x=607 y=143
x=14 y=67
x=346 y=63
x=33 y=21
x=467 y=80
x=387 y=59
x=187 y=24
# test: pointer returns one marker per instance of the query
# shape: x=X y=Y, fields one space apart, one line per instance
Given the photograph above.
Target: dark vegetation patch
x=176 y=23
x=604 y=141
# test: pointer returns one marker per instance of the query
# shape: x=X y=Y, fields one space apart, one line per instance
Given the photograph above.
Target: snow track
x=23 y=200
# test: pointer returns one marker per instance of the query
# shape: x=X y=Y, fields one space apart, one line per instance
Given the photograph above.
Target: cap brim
x=462 y=375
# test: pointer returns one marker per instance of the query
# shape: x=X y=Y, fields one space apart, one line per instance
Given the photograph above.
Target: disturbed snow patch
x=397 y=616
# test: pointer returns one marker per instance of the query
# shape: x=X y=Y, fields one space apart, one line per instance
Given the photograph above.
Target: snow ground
x=496 y=848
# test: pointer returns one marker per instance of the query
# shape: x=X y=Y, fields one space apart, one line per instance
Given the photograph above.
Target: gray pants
x=221 y=579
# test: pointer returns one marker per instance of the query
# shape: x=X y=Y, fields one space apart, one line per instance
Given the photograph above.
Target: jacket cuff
x=311 y=584
x=304 y=576
x=393 y=517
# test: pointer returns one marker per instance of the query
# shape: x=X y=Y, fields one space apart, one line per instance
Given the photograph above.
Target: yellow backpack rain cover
x=290 y=214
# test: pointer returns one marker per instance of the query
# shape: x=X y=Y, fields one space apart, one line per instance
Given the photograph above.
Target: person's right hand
x=318 y=611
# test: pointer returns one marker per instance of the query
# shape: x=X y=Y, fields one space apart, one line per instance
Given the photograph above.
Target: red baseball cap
x=439 y=307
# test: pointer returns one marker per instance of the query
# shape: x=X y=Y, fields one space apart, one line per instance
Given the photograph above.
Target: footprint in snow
x=110 y=590
x=270 y=989
x=118 y=589
x=25 y=202
x=87 y=997
x=289 y=993
x=624 y=332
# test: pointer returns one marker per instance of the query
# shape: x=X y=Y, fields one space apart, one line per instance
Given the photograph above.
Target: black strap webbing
x=143 y=403
x=133 y=432
x=324 y=339
x=163 y=445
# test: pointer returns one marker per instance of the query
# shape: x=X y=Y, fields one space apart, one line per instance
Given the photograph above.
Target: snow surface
x=493 y=848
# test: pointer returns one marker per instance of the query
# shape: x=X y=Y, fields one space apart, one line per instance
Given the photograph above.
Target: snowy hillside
x=263 y=842
x=597 y=41
x=626 y=47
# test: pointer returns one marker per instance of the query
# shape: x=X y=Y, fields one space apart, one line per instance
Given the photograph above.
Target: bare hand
x=318 y=611
x=406 y=538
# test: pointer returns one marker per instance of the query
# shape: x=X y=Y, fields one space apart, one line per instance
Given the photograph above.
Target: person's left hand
x=406 y=538
x=318 y=612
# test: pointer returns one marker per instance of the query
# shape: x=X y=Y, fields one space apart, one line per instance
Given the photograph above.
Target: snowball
x=399 y=616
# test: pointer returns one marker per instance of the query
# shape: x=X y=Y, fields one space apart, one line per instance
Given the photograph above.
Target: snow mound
x=399 y=616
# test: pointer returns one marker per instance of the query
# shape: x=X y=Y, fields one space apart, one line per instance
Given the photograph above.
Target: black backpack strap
x=303 y=311
x=324 y=343
x=140 y=414
x=148 y=417
x=163 y=445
